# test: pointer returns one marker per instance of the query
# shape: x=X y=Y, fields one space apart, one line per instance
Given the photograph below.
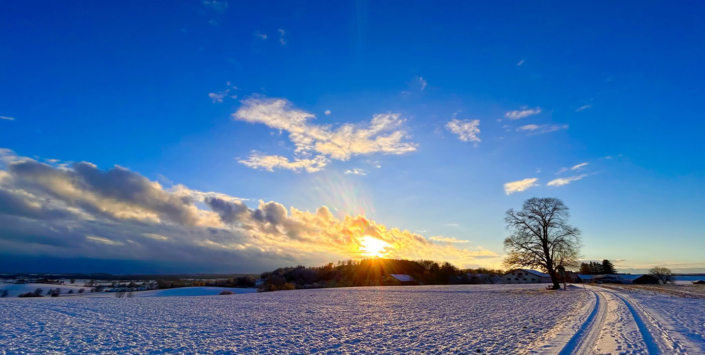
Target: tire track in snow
x=641 y=317
x=586 y=336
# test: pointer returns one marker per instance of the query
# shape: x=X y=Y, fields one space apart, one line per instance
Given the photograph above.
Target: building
x=525 y=276
x=399 y=279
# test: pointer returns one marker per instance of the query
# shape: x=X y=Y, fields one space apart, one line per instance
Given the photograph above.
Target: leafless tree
x=663 y=274
x=541 y=237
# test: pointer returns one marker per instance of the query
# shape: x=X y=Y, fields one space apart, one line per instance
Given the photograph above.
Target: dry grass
x=686 y=291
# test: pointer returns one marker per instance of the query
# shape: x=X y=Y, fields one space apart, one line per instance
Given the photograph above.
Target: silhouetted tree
x=541 y=237
x=608 y=267
x=663 y=274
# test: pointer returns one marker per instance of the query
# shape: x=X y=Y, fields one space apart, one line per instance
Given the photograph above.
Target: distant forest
x=374 y=272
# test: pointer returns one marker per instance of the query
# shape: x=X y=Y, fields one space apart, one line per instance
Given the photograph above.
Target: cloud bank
x=81 y=211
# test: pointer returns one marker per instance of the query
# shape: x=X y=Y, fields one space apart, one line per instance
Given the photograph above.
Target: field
x=493 y=319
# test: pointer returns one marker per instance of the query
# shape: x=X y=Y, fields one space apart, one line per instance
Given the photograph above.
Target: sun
x=372 y=246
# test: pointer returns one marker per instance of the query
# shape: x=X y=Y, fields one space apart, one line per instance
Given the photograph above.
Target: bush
x=81 y=291
x=29 y=294
x=70 y=292
x=225 y=292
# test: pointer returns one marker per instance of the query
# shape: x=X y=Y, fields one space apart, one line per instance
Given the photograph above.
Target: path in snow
x=617 y=323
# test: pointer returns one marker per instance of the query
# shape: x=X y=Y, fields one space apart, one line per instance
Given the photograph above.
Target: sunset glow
x=373 y=247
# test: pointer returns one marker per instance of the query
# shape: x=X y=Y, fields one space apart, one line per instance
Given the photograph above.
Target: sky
x=223 y=136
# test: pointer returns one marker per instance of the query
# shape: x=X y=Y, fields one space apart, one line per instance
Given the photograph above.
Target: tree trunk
x=554 y=279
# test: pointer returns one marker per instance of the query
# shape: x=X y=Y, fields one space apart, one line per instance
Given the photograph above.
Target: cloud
x=218 y=6
x=519 y=186
x=327 y=112
x=467 y=130
x=423 y=83
x=520 y=63
x=356 y=171
x=155 y=236
x=515 y=115
x=448 y=240
x=546 y=128
x=281 y=37
x=82 y=211
x=260 y=36
x=565 y=181
x=384 y=134
x=573 y=168
x=584 y=107
x=261 y=161
x=7 y=118
x=102 y=240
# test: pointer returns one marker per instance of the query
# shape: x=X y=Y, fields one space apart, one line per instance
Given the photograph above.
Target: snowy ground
x=15 y=290
x=494 y=319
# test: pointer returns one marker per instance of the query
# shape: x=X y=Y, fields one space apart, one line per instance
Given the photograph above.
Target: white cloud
x=327 y=112
x=520 y=63
x=258 y=160
x=154 y=236
x=584 y=107
x=217 y=96
x=519 y=186
x=565 y=181
x=102 y=240
x=448 y=240
x=384 y=134
x=7 y=118
x=573 y=168
x=546 y=128
x=467 y=130
x=423 y=83
x=356 y=171
x=515 y=115
x=260 y=35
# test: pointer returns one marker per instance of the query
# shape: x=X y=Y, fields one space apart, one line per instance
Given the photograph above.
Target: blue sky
x=203 y=97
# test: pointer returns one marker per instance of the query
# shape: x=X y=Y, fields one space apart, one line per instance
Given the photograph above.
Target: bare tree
x=541 y=237
x=663 y=274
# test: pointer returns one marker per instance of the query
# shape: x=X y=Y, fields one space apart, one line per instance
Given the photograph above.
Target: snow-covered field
x=14 y=290
x=493 y=319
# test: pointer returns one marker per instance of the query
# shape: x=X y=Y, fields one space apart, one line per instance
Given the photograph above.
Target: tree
x=608 y=267
x=541 y=237
x=81 y=291
x=663 y=274
x=38 y=292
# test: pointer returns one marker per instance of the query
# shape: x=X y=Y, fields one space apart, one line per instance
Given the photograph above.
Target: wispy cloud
x=584 y=107
x=327 y=112
x=447 y=240
x=102 y=240
x=546 y=128
x=384 y=134
x=565 y=181
x=281 y=37
x=518 y=114
x=261 y=36
x=519 y=186
x=356 y=171
x=7 y=118
x=257 y=160
x=467 y=130
x=155 y=236
x=423 y=83
x=573 y=168
x=520 y=63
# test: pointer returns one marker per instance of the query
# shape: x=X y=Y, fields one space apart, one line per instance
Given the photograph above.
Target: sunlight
x=372 y=246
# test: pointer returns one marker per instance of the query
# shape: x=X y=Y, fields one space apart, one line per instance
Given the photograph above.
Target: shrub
x=81 y=291
x=70 y=292
x=225 y=292
x=38 y=292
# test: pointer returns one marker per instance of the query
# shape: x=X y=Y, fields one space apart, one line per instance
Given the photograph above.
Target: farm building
x=646 y=280
x=399 y=279
x=525 y=276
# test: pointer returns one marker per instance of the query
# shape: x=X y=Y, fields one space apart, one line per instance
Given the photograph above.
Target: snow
x=461 y=319
x=506 y=319
x=14 y=290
